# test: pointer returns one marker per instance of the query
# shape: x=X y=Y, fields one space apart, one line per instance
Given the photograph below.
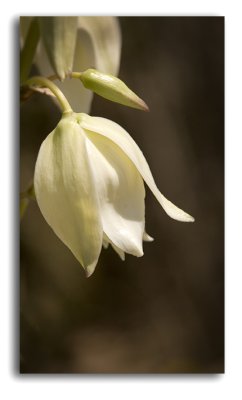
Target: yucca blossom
x=89 y=184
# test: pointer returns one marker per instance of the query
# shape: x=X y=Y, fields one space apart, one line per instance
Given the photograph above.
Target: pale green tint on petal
x=66 y=193
x=118 y=135
x=59 y=37
x=106 y=37
x=121 y=194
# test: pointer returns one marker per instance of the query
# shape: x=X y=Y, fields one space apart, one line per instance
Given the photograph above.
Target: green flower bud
x=59 y=36
x=111 y=88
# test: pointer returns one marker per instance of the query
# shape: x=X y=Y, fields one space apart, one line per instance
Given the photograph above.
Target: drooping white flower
x=97 y=45
x=89 y=185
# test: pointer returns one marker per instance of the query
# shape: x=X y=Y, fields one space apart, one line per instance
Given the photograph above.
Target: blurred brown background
x=164 y=312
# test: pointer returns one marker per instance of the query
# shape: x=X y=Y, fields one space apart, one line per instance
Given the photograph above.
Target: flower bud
x=111 y=88
x=59 y=36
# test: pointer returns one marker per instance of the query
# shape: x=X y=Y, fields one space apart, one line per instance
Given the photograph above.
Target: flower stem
x=40 y=81
x=75 y=75
x=28 y=51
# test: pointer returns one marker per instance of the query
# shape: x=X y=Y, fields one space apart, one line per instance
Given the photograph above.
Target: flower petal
x=118 y=135
x=121 y=194
x=79 y=97
x=106 y=37
x=98 y=44
x=120 y=252
x=66 y=194
x=59 y=36
x=147 y=238
x=106 y=242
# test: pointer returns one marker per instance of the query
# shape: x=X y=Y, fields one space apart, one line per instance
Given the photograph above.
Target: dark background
x=164 y=312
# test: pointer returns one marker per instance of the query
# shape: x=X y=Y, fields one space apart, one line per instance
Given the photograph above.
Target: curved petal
x=79 y=97
x=59 y=36
x=98 y=44
x=106 y=37
x=66 y=194
x=118 y=135
x=121 y=194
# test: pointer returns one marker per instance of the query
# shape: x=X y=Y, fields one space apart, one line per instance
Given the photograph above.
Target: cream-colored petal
x=66 y=193
x=79 y=97
x=120 y=252
x=106 y=37
x=121 y=194
x=118 y=135
x=98 y=45
x=106 y=242
x=59 y=36
x=147 y=238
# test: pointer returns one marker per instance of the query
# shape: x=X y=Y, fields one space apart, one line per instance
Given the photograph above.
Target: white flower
x=89 y=186
x=98 y=45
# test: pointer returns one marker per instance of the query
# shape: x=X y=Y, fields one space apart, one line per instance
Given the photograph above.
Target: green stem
x=28 y=51
x=75 y=75
x=40 y=81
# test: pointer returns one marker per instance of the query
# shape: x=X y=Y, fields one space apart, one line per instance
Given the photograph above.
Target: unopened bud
x=111 y=88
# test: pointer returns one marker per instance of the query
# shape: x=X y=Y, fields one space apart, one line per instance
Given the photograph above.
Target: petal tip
x=147 y=238
x=139 y=253
x=187 y=218
x=141 y=105
x=173 y=211
x=145 y=107
x=90 y=269
x=183 y=218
